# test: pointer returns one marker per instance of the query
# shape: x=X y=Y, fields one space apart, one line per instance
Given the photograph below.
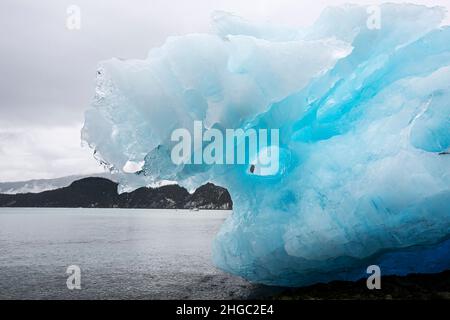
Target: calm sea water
x=123 y=254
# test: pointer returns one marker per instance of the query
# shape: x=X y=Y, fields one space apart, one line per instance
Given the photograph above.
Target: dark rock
x=210 y=196
x=408 y=287
x=102 y=193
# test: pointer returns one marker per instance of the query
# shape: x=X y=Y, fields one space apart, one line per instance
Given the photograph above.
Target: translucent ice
x=364 y=122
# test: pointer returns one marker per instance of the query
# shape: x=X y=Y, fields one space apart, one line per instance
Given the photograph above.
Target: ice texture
x=364 y=122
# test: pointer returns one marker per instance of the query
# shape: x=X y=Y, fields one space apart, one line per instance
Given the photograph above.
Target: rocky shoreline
x=409 y=287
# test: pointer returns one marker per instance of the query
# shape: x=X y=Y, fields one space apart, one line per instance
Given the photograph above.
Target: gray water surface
x=123 y=254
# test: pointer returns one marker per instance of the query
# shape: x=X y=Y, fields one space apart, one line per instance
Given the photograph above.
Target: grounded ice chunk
x=364 y=136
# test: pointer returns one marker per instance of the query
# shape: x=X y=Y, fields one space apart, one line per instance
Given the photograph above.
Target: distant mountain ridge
x=40 y=185
x=98 y=192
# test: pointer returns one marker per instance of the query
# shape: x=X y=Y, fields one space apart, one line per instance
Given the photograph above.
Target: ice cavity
x=364 y=124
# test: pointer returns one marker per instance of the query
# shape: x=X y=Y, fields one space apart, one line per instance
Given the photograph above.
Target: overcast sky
x=48 y=71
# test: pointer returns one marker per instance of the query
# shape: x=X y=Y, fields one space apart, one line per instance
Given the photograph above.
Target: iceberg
x=364 y=134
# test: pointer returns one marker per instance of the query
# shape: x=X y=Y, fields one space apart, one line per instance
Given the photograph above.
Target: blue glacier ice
x=364 y=122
